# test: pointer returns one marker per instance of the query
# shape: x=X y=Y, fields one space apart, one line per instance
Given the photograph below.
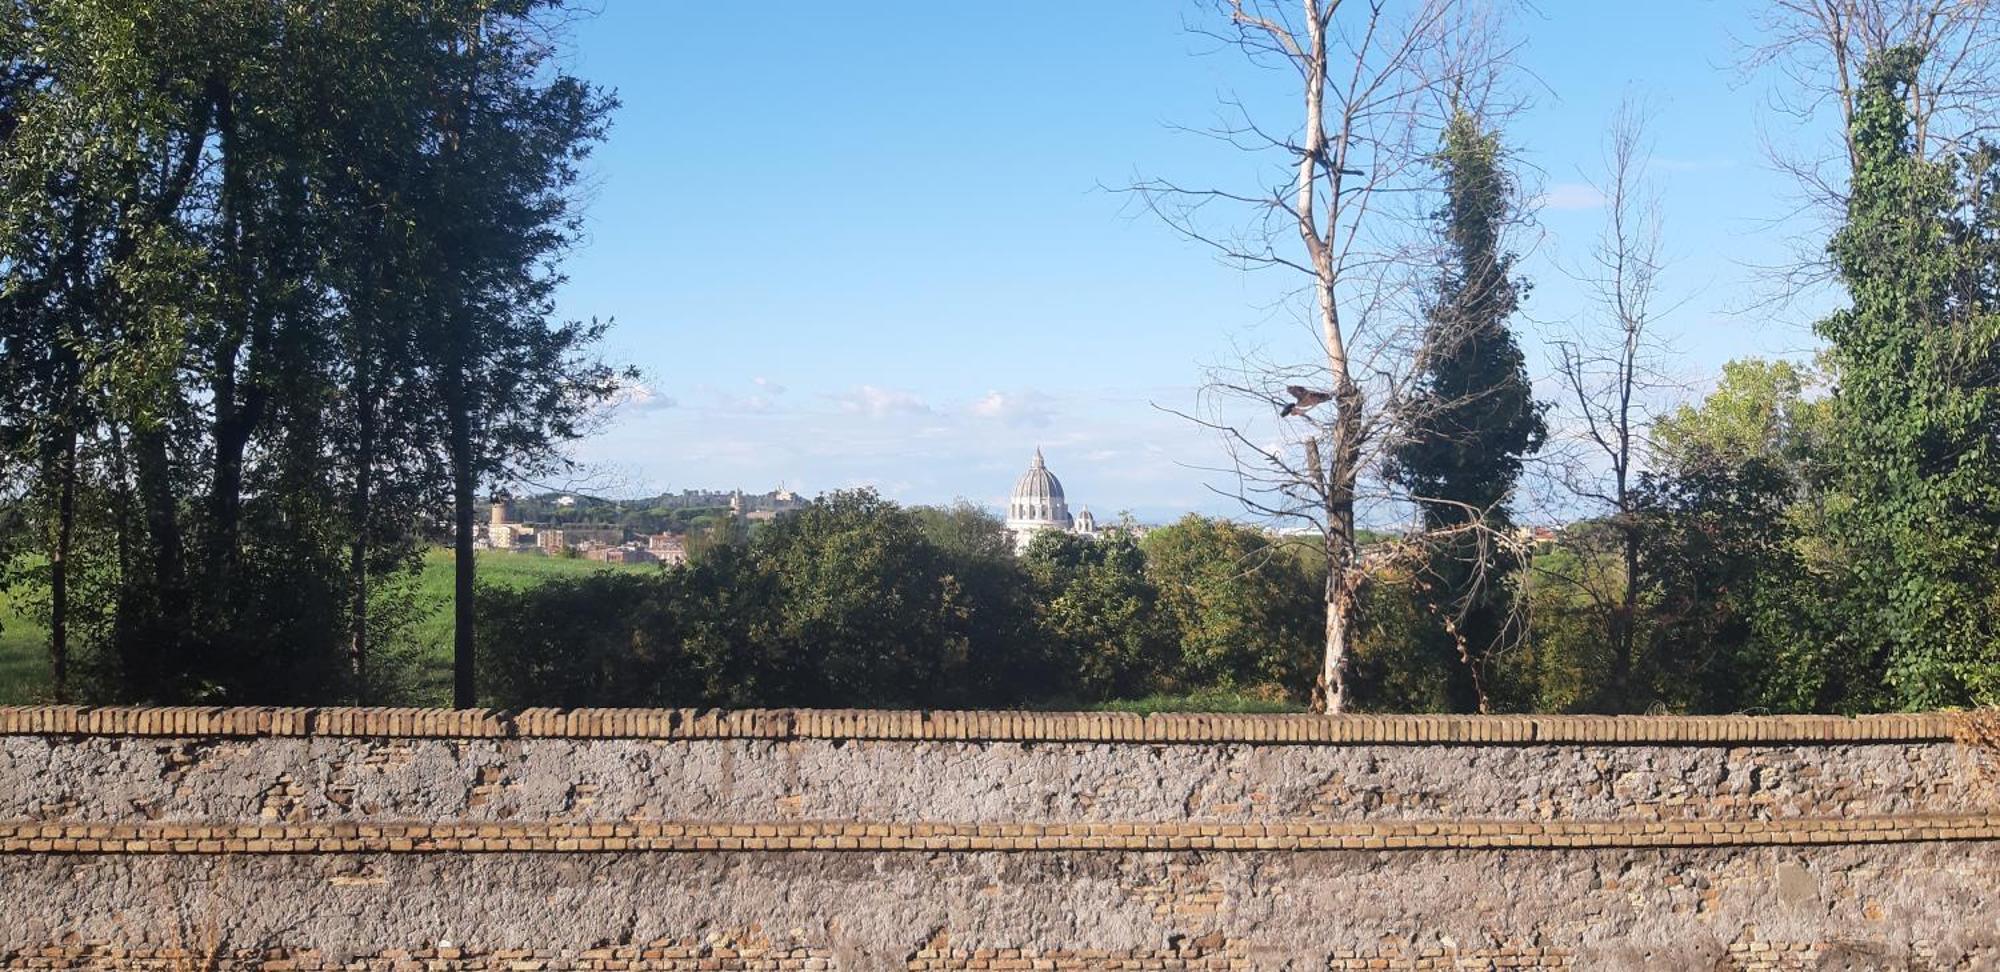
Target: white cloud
x=1026 y=409
x=1113 y=451
x=1573 y=195
x=877 y=402
x=763 y=399
x=639 y=398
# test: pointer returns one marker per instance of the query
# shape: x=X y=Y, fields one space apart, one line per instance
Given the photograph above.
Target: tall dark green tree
x=1916 y=435
x=1472 y=417
x=497 y=208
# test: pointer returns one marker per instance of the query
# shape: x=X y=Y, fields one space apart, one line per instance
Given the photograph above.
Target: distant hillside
x=654 y=514
x=681 y=512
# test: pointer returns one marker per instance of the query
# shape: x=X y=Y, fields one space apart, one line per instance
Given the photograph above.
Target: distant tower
x=501 y=512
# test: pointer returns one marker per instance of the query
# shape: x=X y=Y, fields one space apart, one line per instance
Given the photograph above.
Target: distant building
x=1038 y=506
x=621 y=555
x=1085 y=524
x=668 y=548
x=780 y=500
x=1535 y=536
x=764 y=507
x=596 y=535
x=556 y=541
x=501 y=532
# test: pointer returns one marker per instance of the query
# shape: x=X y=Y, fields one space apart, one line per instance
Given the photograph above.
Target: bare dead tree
x=1610 y=381
x=1371 y=82
x=1814 y=51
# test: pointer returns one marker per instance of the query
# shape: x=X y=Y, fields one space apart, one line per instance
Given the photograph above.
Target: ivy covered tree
x=1473 y=417
x=1916 y=427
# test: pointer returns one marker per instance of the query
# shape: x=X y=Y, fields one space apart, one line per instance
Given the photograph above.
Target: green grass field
x=509 y=570
x=24 y=664
x=432 y=633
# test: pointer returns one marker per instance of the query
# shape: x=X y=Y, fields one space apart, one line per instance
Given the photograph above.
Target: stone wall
x=337 y=839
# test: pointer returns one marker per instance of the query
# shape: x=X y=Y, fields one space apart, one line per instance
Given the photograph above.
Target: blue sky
x=868 y=244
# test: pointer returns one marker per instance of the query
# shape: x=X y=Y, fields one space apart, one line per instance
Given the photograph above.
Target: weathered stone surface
x=1689 y=901
x=114 y=778
x=879 y=910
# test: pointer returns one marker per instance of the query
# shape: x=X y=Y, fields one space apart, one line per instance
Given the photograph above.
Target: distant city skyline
x=850 y=254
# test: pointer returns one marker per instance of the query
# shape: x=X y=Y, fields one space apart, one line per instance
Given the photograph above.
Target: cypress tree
x=1472 y=416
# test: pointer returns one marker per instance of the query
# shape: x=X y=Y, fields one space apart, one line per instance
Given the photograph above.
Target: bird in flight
x=1305 y=398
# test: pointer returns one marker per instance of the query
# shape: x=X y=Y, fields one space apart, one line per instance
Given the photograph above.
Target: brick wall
x=317 y=839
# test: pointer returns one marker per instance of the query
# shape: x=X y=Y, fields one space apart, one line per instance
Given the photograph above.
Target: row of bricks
x=44 y=837
x=1757 y=955
x=1531 y=958
x=994 y=726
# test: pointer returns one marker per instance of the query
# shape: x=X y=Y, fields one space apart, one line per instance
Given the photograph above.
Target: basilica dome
x=1037 y=502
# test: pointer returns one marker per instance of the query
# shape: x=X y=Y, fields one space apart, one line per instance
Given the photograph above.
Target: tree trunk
x=166 y=626
x=463 y=482
x=1331 y=690
x=1628 y=611
x=59 y=569
x=121 y=498
x=236 y=412
x=358 y=517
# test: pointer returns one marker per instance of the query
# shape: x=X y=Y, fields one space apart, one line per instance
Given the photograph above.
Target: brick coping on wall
x=1003 y=726
x=634 y=836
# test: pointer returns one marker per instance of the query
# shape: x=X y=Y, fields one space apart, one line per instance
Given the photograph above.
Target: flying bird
x=1306 y=398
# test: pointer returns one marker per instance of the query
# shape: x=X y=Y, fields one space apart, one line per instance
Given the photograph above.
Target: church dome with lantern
x=1037 y=503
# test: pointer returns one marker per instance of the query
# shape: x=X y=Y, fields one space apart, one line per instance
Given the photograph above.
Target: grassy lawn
x=431 y=634
x=24 y=660
x=509 y=570
x=24 y=666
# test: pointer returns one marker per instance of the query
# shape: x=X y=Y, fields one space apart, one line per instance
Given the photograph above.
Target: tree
x=1821 y=48
x=1245 y=609
x=227 y=238
x=496 y=211
x=1720 y=574
x=1818 y=51
x=1374 y=82
x=863 y=611
x=1101 y=615
x=1006 y=663
x=1737 y=553
x=385 y=424
x=1916 y=408
x=1758 y=410
x=1607 y=376
x=1472 y=417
